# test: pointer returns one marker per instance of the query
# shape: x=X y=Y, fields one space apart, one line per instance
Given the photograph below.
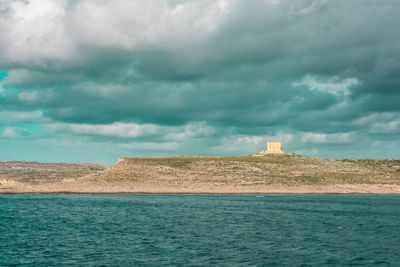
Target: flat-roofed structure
x=274 y=148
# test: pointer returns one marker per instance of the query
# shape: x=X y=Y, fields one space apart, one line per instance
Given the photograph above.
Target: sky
x=94 y=80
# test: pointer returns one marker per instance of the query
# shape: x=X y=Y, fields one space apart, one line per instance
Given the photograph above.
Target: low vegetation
x=242 y=171
x=288 y=170
x=39 y=173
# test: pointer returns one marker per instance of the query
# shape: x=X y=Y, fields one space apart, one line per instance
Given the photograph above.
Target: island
x=271 y=173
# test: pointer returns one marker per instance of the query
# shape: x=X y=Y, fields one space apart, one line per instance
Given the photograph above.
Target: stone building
x=272 y=148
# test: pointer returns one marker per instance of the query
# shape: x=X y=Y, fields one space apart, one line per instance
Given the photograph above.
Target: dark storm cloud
x=240 y=67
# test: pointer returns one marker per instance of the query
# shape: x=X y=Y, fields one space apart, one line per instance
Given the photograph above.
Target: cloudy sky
x=94 y=80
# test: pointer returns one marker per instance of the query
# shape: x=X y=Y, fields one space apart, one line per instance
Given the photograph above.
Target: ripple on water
x=199 y=230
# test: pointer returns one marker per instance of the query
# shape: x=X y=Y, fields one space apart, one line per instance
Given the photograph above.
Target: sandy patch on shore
x=73 y=187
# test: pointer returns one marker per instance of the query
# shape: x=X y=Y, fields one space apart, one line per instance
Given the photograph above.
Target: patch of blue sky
x=3 y=75
x=15 y=90
x=31 y=127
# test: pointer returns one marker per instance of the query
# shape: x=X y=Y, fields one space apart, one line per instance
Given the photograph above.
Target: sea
x=199 y=230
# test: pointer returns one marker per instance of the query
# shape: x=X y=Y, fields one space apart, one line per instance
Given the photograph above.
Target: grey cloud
x=230 y=65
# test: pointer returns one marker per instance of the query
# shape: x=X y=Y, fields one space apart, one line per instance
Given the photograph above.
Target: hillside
x=206 y=174
x=270 y=169
x=38 y=173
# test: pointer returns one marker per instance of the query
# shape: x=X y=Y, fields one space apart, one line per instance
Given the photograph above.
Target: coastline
x=195 y=194
x=76 y=188
x=197 y=175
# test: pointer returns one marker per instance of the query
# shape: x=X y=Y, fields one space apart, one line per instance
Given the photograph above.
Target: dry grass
x=285 y=170
x=39 y=173
x=247 y=171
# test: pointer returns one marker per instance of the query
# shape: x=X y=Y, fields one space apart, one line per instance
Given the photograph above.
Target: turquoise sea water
x=151 y=230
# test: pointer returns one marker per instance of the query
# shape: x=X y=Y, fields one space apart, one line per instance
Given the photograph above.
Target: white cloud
x=22 y=117
x=177 y=61
x=251 y=144
x=146 y=146
x=20 y=76
x=336 y=138
x=35 y=32
x=28 y=96
x=13 y=132
x=134 y=130
x=365 y=120
x=122 y=130
x=103 y=90
x=187 y=132
x=380 y=123
x=332 y=85
x=54 y=31
x=312 y=7
x=385 y=127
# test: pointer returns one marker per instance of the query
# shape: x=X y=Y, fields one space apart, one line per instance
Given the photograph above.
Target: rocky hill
x=270 y=169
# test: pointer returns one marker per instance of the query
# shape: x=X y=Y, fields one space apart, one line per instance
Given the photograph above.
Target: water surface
x=184 y=230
